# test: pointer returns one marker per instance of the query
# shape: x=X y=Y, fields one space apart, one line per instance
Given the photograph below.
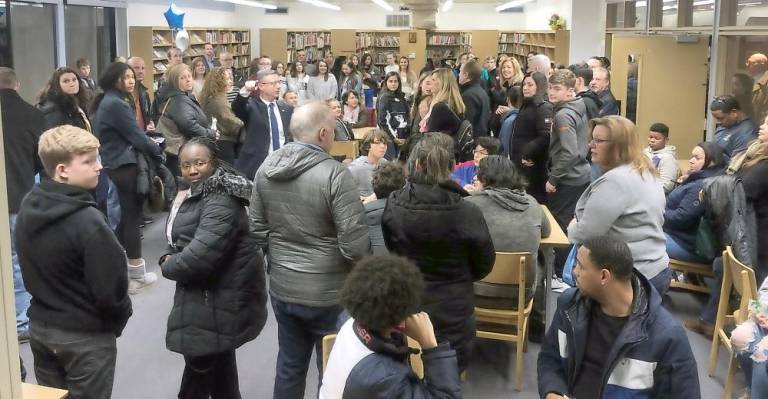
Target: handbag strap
x=165 y=107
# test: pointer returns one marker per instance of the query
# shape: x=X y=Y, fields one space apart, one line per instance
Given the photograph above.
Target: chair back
x=737 y=270
x=509 y=269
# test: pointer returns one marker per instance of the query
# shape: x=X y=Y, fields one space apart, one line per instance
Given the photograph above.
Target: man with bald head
x=757 y=66
x=142 y=105
x=306 y=211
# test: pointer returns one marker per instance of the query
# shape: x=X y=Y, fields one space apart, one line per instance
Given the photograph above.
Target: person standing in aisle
x=63 y=101
x=22 y=126
x=220 y=300
x=141 y=102
x=507 y=75
x=213 y=99
x=267 y=122
x=86 y=81
x=476 y=101
x=392 y=112
x=407 y=78
x=601 y=84
x=323 y=86
x=313 y=240
x=583 y=78
x=74 y=267
x=114 y=123
x=161 y=93
x=369 y=69
x=349 y=81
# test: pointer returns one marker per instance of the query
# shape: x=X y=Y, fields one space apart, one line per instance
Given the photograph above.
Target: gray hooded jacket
x=569 y=144
x=306 y=213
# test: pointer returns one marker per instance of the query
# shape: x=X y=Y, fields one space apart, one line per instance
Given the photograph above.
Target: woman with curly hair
x=213 y=99
x=63 y=100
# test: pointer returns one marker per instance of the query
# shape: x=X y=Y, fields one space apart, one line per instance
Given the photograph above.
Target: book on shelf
x=309 y=39
x=159 y=67
x=159 y=39
x=440 y=39
x=158 y=53
x=195 y=38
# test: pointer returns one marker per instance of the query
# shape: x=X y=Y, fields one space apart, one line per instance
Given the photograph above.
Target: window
x=90 y=34
x=33 y=45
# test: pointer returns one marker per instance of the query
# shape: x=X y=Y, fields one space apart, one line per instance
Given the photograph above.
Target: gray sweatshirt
x=320 y=89
x=627 y=206
x=665 y=162
x=568 y=145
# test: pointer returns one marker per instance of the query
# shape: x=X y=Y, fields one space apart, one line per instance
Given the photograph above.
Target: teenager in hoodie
x=591 y=100
x=74 y=268
x=663 y=156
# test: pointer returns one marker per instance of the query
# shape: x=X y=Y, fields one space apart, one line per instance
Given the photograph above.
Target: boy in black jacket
x=369 y=356
x=74 y=267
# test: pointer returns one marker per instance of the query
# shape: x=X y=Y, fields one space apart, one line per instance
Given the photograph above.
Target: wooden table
x=557 y=239
x=360 y=132
x=30 y=391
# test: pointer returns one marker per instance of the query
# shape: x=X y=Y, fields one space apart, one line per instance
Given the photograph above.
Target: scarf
x=756 y=152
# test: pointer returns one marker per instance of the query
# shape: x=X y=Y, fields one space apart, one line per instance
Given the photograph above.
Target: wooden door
x=671 y=85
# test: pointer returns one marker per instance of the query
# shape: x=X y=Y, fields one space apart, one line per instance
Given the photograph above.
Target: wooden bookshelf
x=378 y=44
x=449 y=43
x=152 y=44
x=314 y=44
x=553 y=44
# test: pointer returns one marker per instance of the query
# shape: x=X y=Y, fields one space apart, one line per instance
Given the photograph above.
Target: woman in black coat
x=392 y=112
x=529 y=144
x=428 y=222
x=63 y=101
x=220 y=300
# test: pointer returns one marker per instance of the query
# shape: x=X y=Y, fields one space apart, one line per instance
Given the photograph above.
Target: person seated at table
x=387 y=178
x=684 y=208
x=343 y=131
x=515 y=220
x=465 y=172
x=355 y=113
x=373 y=147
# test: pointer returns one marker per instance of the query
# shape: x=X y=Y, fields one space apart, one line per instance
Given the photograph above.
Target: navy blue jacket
x=651 y=357
x=735 y=139
x=115 y=125
x=684 y=209
x=254 y=113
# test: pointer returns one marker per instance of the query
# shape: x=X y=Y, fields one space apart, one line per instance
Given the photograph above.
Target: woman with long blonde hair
x=213 y=99
x=626 y=201
x=508 y=74
x=198 y=75
x=447 y=109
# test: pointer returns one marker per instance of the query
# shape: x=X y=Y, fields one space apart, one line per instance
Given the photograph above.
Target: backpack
x=463 y=142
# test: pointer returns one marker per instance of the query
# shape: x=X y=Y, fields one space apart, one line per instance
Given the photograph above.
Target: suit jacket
x=254 y=113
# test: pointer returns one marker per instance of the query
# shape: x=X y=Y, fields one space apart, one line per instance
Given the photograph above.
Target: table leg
x=549 y=265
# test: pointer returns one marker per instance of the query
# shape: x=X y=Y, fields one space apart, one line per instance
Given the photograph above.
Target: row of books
x=450 y=39
x=309 y=39
x=365 y=40
x=227 y=36
x=513 y=37
x=312 y=53
x=523 y=48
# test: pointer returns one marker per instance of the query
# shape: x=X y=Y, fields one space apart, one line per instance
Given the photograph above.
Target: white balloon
x=182 y=40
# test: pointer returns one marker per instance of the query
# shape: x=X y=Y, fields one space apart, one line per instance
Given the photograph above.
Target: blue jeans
x=20 y=292
x=759 y=380
x=662 y=281
x=709 y=311
x=300 y=328
x=675 y=251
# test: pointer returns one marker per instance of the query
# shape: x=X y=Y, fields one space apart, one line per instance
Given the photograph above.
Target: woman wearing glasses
x=220 y=286
x=627 y=200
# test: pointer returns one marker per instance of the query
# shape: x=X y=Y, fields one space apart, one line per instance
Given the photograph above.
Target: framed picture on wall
x=411 y=37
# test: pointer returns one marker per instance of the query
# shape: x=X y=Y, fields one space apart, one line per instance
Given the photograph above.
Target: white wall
x=198 y=13
x=587 y=28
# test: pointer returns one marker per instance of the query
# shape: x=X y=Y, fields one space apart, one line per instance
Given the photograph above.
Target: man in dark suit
x=266 y=121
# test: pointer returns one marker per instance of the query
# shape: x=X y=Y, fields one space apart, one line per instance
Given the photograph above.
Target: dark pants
x=81 y=362
x=211 y=376
x=172 y=163
x=128 y=233
x=562 y=204
x=227 y=151
x=299 y=329
x=709 y=311
x=662 y=281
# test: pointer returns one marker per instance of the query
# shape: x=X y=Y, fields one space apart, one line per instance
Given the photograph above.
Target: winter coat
x=665 y=162
x=22 y=127
x=343 y=131
x=321 y=89
x=148 y=170
x=373 y=212
x=220 y=299
x=61 y=110
x=651 y=357
x=684 y=209
x=392 y=113
x=507 y=122
x=478 y=107
x=516 y=223
x=735 y=139
x=376 y=368
x=444 y=119
x=188 y=116
x=568 y=145
x=353 y=82
x=730 y=216
x=498 y=97
x=609 y=104
x=227 y=123
x=756 y=192
x=115 y=125
x=448 y=239
x=71 y=261
x=530 y=140
x=145 y=103
x=592 y=102
x=306 y=211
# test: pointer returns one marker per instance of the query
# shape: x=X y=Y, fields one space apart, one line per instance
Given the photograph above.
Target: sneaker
x=558 y=285
x=23 y=337
x=135 y=285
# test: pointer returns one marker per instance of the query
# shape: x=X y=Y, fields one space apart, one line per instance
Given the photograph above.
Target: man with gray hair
x=306 y=214
x=601 y=84
x=267 y=121
x=540 y=63
x=22 y=126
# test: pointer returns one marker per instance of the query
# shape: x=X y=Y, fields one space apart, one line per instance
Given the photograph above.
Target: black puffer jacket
x=61 y=110
x=530 y=140
x=449 y=241
x=188 y=115
x=220 y=285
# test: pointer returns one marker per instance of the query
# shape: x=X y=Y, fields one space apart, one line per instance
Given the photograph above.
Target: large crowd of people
x=455 y=167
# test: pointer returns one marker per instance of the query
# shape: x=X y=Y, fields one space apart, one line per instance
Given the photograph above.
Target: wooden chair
x=509 y=269
x=347 y=149
x=415 y=360
x=31 y=391
x=740 y=277
x=694 y=273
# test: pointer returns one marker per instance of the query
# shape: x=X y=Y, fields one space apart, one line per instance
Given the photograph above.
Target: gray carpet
x=146 y=370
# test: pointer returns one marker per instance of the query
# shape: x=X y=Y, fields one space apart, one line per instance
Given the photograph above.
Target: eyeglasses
x=269 y=83
x=595 y=142
x=481 y=152
x=197 y=164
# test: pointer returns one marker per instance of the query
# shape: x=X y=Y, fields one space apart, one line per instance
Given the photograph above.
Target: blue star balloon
x=174 y=17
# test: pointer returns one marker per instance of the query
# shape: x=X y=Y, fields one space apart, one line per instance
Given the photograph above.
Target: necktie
x=273 y=127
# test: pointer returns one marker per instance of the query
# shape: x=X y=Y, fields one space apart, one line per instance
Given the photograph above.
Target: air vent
x=278 y=10
x=398 y=21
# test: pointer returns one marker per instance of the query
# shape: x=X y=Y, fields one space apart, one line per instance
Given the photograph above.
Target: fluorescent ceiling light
x=322 y=4
x=383 y=4
x=447 y=5
x=250 y=3
x=703 y=2
x=511 y=4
